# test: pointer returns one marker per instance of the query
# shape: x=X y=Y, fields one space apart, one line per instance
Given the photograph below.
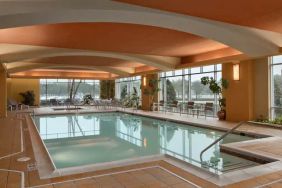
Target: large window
x=62 y=89
x=276 y=86
x=126 y=86
x=185 y=85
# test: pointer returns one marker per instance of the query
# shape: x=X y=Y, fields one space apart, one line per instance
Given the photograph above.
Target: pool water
x=82 y=139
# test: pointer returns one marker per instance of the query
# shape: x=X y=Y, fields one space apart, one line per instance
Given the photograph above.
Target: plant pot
x=221 y=115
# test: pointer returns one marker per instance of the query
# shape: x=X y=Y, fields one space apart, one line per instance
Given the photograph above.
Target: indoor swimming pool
x=81 y=139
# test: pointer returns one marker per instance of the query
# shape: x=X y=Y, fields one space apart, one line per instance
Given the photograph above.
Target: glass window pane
x=195 y=70
x=174 y=89
x=276 y=112
x=276 y=89
x=177 y=86
x=53 y=80
x=218 y=76
x=199 y=92
x=42 y=81
x=186 y=88
x=162 y=92
x=209 y=68
x=127 y=86
x=43 y=92
x=277 y=85
x=178 y=72
x=56 y=91
x=219 y=67
x=169 y=73
x=277 y=59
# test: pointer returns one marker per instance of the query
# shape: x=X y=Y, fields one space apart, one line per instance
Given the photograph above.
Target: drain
x=23 y=159
x=31 y=167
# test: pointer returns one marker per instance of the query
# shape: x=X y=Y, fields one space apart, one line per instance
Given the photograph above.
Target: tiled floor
x=155 y=174
x=152 y=177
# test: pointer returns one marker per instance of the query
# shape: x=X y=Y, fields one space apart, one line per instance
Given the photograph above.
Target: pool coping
x=220 y=180
x=35 y=138
x=236 y=147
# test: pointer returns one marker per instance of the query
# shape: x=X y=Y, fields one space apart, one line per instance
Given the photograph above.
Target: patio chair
x=67 y=102
x=100 y=104
x=190 y=106
x=161 y=104
x=170 y=107
x=54 y=102
x=113 y=103
x=207 y=108
x=95 y=104
x=77 y=103
x=158 y=105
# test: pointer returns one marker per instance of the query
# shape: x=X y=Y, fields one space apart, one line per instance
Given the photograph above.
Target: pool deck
x=15 y=142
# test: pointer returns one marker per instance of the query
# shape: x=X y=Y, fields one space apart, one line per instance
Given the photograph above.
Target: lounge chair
x=14 y=105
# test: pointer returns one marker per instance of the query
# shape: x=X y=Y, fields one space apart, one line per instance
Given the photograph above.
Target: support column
x=146 y=99
x=239 y=95
x=3 y=93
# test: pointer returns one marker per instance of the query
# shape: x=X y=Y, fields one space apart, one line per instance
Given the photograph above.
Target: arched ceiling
x=259 y=14
x=111 y=37
x=119 y=38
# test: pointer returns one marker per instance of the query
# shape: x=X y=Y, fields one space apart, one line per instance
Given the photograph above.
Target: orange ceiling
x=263 y=14
x=88 y=60
x=126 y=38
x=49 y=73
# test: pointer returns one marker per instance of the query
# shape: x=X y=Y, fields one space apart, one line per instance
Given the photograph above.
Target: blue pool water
x=82 y=139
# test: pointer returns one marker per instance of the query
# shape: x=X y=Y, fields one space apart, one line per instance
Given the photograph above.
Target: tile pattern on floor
x=146 y=178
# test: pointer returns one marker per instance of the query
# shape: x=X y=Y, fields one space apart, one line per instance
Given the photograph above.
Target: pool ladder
x=219 y=139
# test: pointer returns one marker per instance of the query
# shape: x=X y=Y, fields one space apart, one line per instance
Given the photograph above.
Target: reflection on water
x=55 y=127
x=129 y=129
x=74 y=140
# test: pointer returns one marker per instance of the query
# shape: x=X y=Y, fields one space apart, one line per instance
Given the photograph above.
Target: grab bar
x=219 y=139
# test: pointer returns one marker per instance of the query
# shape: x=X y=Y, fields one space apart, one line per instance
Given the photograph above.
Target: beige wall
x=16 y=86
x=261 y=88
x=248 y=98
x=3 y=93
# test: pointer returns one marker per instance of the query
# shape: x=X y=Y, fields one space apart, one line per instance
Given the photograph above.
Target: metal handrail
x=219 y=139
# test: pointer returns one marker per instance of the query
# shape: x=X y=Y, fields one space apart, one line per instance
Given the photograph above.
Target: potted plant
x=28 y=98
x=87 y=99
x=151 y=90
x=217 y=88
x=135 y=98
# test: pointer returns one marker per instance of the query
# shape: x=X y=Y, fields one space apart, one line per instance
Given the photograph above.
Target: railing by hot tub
x=219 y=139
